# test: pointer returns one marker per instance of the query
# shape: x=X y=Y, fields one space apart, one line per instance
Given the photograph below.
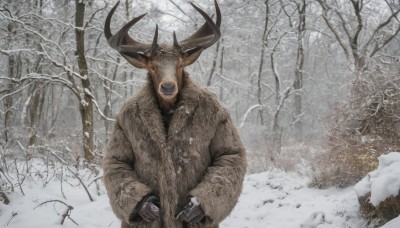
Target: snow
x=87 y=91
x=84 y=103
x=194 y=201
x=382 y=182
x=87 y=214
x=39 y=190
x=270 y=199
x=280 y=199
x=24 y=108
x=394 y=223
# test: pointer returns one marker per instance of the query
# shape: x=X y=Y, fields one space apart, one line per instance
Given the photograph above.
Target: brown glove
x=192 y=212
x=148 y=209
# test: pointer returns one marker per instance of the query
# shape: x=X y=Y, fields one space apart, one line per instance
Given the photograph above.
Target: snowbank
x=394 y=223
x=382 y=182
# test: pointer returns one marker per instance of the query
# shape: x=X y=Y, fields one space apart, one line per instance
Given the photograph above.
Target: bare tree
x=300 y=58
x=263 y=46
x=53 y=50
x=275 y=68
x=347 y=28
x=86 y=104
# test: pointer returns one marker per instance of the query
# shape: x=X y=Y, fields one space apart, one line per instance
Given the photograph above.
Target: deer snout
x=168 y=88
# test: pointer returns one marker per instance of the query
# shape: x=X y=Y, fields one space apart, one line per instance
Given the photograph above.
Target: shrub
x=361 y=128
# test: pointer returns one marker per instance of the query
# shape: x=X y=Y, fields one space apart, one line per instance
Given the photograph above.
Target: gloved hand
x=192 y=212
x=149 y=209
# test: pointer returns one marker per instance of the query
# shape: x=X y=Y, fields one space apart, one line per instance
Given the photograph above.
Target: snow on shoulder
x=382 y=182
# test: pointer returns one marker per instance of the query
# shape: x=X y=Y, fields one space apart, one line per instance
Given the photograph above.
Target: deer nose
x=168 y=88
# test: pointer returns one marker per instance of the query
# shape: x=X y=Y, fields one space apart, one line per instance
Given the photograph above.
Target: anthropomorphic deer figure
x=174 y=159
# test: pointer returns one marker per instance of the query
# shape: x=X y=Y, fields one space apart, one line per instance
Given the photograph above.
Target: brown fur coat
x=201 y=156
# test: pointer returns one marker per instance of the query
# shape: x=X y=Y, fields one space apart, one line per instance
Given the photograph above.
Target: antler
x=122 y=42
x=207 y=35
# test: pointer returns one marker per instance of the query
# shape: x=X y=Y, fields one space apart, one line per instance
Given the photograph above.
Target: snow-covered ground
x=279 y=199
x=270 y=199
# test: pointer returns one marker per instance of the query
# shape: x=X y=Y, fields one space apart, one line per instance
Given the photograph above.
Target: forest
x=313 y=87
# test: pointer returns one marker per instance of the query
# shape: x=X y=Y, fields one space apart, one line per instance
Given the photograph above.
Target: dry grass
x=343 y=168
x=294 y=157
x=384 y=212
x=361 y=129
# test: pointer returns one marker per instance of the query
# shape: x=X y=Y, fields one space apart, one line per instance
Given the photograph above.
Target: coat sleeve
x=221 y=185
x=124 y=188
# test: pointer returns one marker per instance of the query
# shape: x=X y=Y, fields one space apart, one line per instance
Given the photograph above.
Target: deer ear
x=191 y=55
x=136 y=59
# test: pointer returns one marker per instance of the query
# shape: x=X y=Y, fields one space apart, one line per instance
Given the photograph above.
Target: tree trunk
x=279 y=102
x=36 y=105
x=8 y=101
x=262 y=54
x=108 y=87
x=298 y=82
x=35 y=110
x=86 y=104
x=221 y=70
x=214 y=65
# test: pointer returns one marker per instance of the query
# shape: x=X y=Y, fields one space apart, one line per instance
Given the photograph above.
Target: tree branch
x=79 y=179
x=379 y=27
x=378 y=48
x=391 y=9
x=333 y=30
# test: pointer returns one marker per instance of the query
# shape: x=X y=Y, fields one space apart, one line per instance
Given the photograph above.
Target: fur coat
x=201 y=155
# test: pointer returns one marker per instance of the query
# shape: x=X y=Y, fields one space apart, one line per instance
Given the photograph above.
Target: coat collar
x=150 y=113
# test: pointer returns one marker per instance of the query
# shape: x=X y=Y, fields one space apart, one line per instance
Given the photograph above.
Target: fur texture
x=201 y=155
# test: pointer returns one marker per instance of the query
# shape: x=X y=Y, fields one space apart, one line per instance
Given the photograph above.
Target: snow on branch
x=97 y=105
x=249 y=110
x=16 y=91
x=66 y=212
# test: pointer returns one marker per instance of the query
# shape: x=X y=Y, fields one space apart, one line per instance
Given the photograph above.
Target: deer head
x=165 y=63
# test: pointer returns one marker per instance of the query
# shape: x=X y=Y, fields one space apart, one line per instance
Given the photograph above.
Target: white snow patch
x=394 y=223
x=84 y=103
x=280 y=199
x=194 y=201
x=86 y=213
x=87 y=91
x=382 y=182
x=315 y=219
x=25 y=107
